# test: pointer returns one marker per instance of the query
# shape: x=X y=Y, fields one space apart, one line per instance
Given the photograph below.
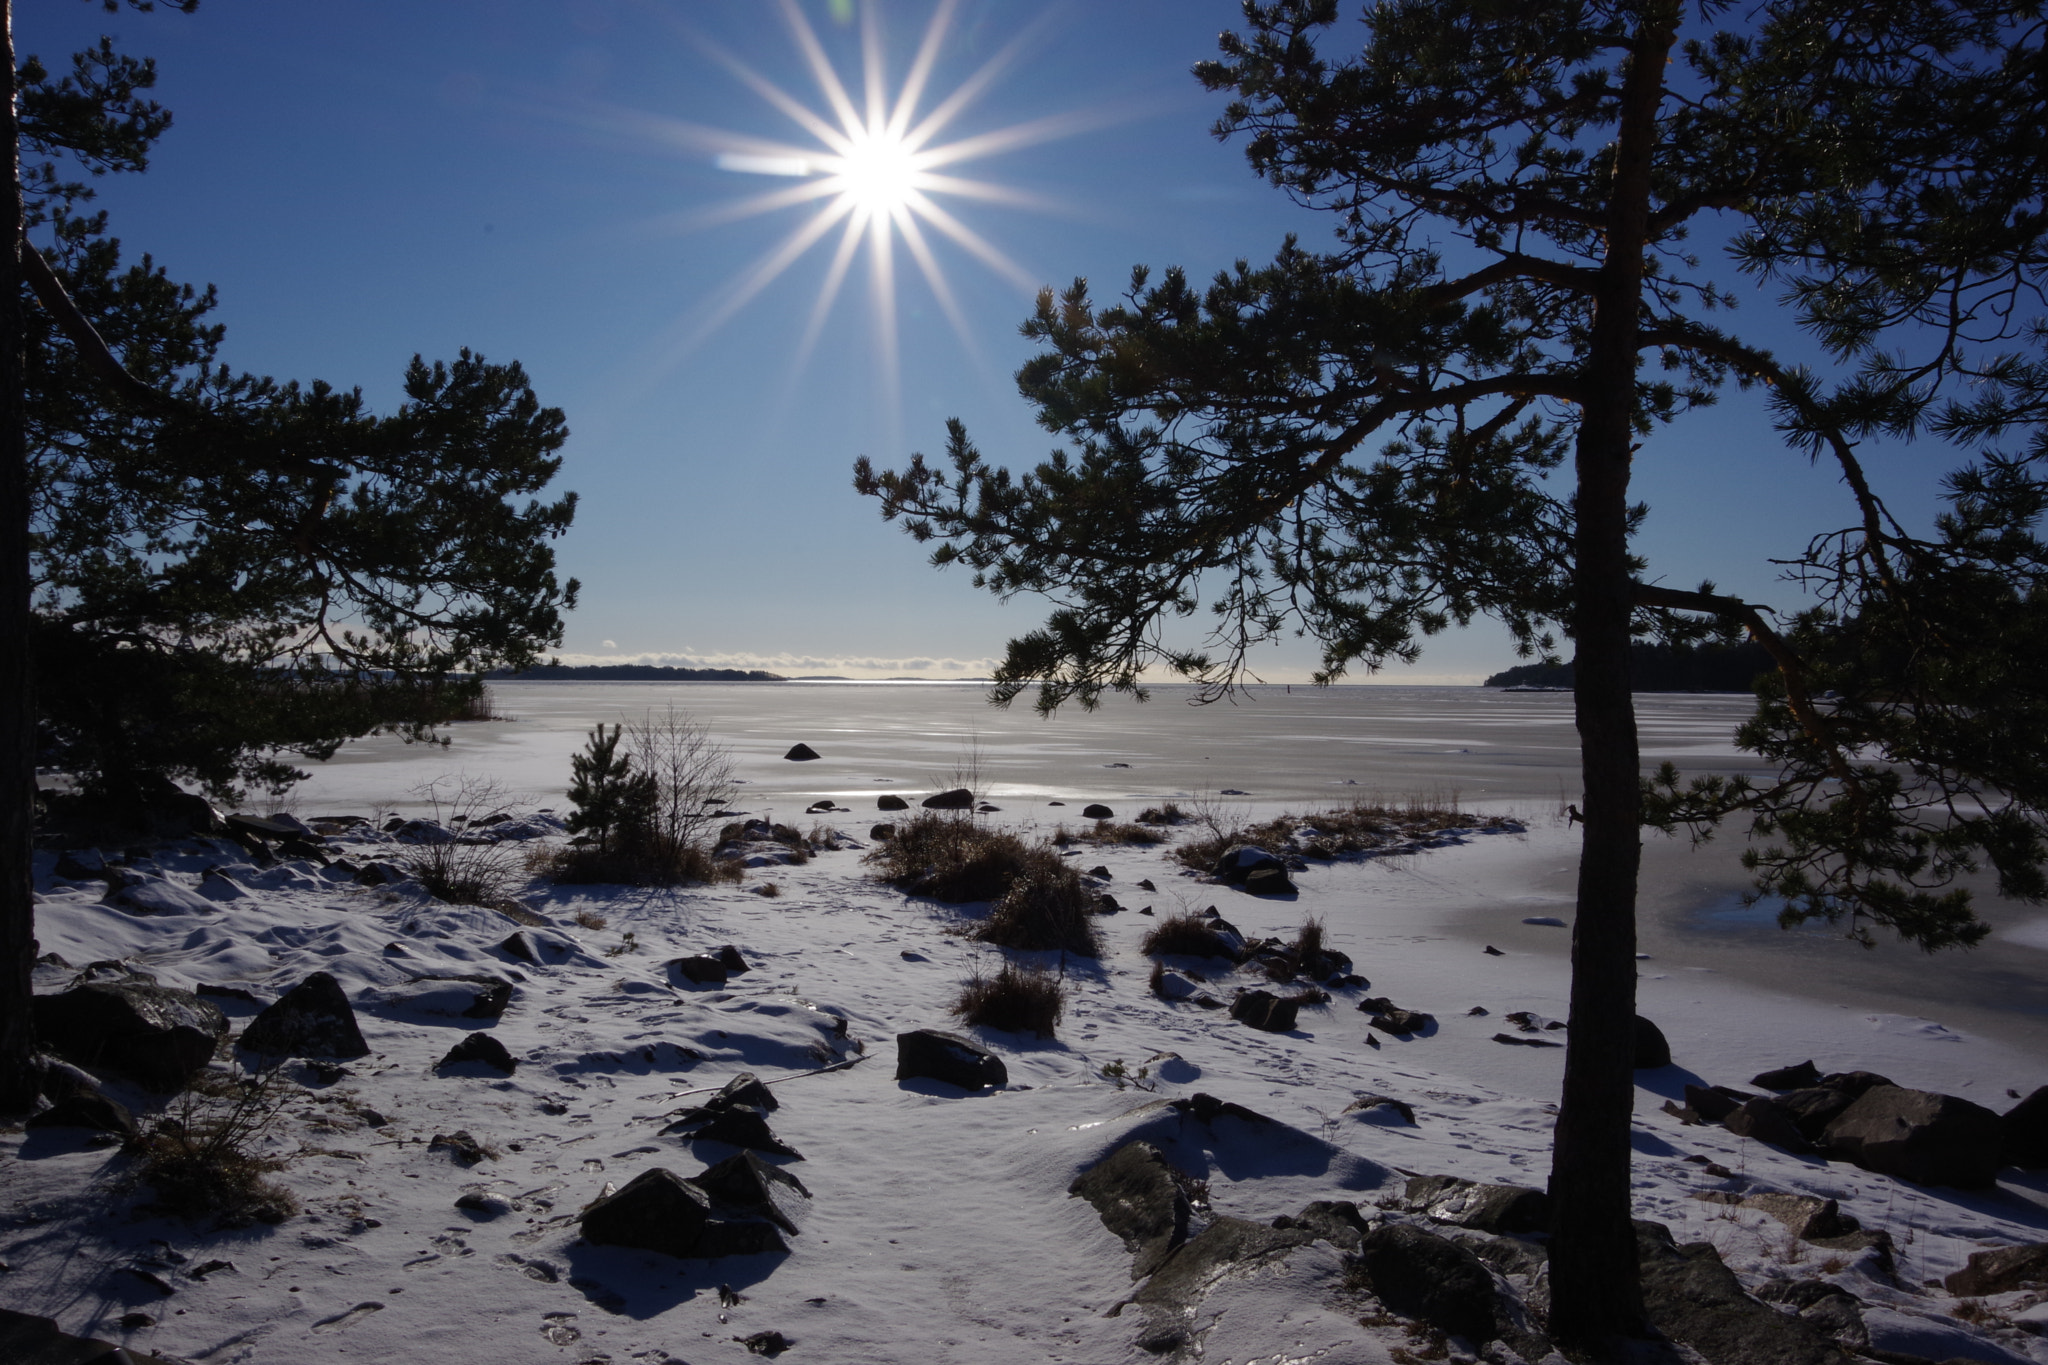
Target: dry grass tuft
x=590 y=919
x=1168 y=814
x=1038 y=902
x=1361 y=827
x=769 y=889
x=1111 y=832
x=201 y=1158
x=1015 y=999
x=1045 y=908
x=654 y=862
x=1185 y=936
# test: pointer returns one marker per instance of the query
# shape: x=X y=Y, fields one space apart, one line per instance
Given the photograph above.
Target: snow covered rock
x=942 y=1056
x=96 y=1113
x=1239 y=862
x=1696 y=1300
x=312 y=1019
x=1265 y=1011
x=1141 y=1200
x=2000 y=1269
x=157 y=1036
x=141 y=894
x=1920 y=1136
x=745 y=1182
x=1483 y=1208
x=481 y=1049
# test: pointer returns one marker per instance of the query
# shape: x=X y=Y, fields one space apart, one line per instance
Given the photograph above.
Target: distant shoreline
x=630 y=673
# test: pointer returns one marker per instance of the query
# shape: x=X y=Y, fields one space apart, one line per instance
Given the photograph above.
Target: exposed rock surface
x=959 y=798
x=1421 y=1275
x=1795 y=1077
x=157 y=1036
x=2000 y=1269
x=483 y=1048
x=941 y=1056
x=1141 y=1200
x=312 y=1019
x=1264 y=1010
x=95 y=1113
x=1696 y=1300
x=2026 y=1132
x=1484 y=1208
x=1920 y=1136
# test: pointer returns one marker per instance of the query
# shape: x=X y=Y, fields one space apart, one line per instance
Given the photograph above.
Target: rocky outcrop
x=313 y=1019
x=1696 y=1300
x=959 y=798
x=1141 y=1199
x=1483 y=1208
x=1920 y=1136
x=1430 y=1278
x=2026 y=1132
x=941 y=1056
x=1999 y=1270
x=157 y=1036
x=660 y=1211
x=482 y=1049
x=1265 y=1011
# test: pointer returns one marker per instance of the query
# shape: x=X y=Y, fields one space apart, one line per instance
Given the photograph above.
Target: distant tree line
x=630 y=673
x=1662 y=668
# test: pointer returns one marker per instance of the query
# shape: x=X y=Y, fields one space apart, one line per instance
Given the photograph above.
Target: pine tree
x=1437 y=419
x=611 y=799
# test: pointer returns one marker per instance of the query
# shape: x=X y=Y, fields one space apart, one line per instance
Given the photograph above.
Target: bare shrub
x=650 y=806
x=483 y=705
x=1045 y=908
x=201 y=1157
x=693 y=774
x=590 y=919
x=1015 y=999
x=472 y=869
x=1185 y=936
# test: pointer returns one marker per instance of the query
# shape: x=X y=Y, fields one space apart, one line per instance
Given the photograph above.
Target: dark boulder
x=157 y=1036
x=1268 y=881
x=748 y=1184
x=1388 y=1017
x=801 y=753
x=1694 y=1299
x=483 y=1048
x=1715 y=1102
x=657 y=1210
x=2000 y=1269
x=1265 y=1011
x=491 y=1002
x=1483 y=1208
x=882 y=832
x=1766 y=1120
x=1814 y=1108
x=1141 y=1199
x=1797 y=1077
x=735 y=965
x=820 y=807
x=1336 y=1221
x=1097 y=811
x=1854 y=1083
x=312 y=1019
x=2026 y=1132
x=701 y=969
x=1430 y=1278
x=1228 y=1246
x=1920 y=1136
x=520 y=945
x=29 y=1340
x=889 y=801
x=1241 y=860
x=1651 y=1048
x=96 y=1113
x=941 y=1056
x=959 y=798
x=737 y=1125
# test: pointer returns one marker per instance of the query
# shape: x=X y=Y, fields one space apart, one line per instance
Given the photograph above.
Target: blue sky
x=368 y=180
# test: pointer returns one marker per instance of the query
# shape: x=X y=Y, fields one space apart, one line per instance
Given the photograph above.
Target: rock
x=96 y=1113
x=383 y=874
x=1999 y=1270
x=491 y=1002
x=656 y=1211
x=83 y=865
x=881 y=832
x=1814 y=1108
x=312 y=1019
x=1227 y=1246
x=1919 y=1136
x=801 y=753
x=1265 y=1011
x=1141 y=1199
x=1336 y=1221
x=948 y=1057
x=1651 y=1048
x=735 y=965
x=890 y=801
x=520 y=945
x=1808 y=1217
x=1524 y=1042
x=1099 y=871
x=220 y=888
x=1365 y=1104
x=1268 y=881
x=1854 y=1083
x=460 y=1145
x=1715 y=1103
x=423 y=832
x=157 y=1036
x=2026 y=1132
x=57 y=1079
x=1796 y=1077
x=959 y=798
x=1388 y=1018
x=738 y=1125
x=1766 y=1120
x=701 y=969
x=1696 y=1300
x=29 y=1340
x=1484 y=1208
x=479 y=1047
x=484 y=1205
x=1423 y=1276
x=1241 y=860
x=764 y=1343
x=747 y=1183
x=139 y=894
x=1097 y=811
x=267 y=827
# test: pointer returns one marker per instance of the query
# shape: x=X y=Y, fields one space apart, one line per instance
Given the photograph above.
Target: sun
x=871 y=172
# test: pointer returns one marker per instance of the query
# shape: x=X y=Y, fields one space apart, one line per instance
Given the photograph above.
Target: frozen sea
x=1299 y=748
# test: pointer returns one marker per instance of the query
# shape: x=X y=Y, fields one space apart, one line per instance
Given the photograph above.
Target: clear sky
x=541 y=180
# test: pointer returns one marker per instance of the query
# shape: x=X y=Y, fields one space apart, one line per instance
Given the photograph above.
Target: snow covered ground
x=939 y=1227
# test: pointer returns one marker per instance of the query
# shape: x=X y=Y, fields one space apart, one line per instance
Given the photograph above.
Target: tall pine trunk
x=17 y=709
x=1595 y=1285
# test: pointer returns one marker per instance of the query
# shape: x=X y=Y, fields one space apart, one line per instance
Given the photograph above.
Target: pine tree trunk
x=1595 y=1285
x=17 y=709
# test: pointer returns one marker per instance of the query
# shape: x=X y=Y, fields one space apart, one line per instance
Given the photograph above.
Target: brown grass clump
x=1015 y=999
x=951 y=858
x=655 y=862
x=1184 y=936
x=1361 y=827
x=1168 y=814
x=201 y=1158
x=769 y=889
x=590 y=919
x=1045 y=908
x=1112 y=832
